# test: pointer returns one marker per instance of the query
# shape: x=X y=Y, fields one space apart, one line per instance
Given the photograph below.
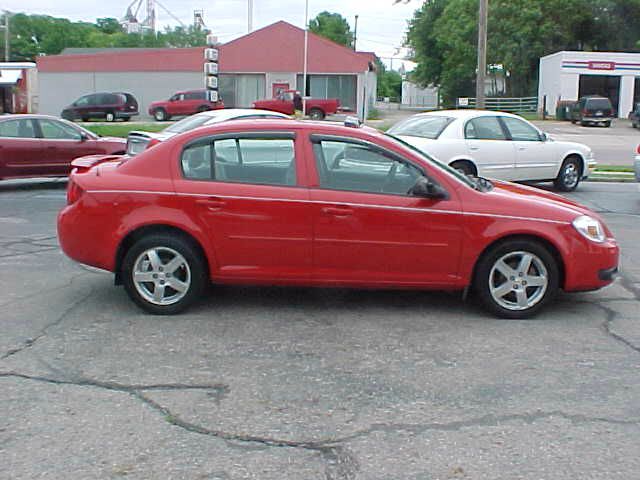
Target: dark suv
x=106 y=105
x=592 y=110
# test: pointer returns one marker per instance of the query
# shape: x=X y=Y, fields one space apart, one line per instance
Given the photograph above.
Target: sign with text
x=601 y=65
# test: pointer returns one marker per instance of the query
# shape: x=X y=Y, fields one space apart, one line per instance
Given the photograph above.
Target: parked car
x=496 y=145
x=282 y=202
x=40 y=145
x=592 y=110
x=138 y=140
x=183 y=103
x=634 y=116
x=109 y=106
x=316 y=108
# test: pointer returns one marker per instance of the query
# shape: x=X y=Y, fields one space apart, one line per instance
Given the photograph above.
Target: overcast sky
x=381 y=24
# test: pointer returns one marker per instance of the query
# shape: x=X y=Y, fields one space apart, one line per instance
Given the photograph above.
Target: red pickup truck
x=316 y=108
x=183 y=103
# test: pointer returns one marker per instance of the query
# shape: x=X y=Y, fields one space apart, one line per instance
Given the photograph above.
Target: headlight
x=589 y=228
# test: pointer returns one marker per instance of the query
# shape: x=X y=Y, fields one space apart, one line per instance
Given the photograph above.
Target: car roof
x=236 y=112
x=14 y=116
x=465 y=113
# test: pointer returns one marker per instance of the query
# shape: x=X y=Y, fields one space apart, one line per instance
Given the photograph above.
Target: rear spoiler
x=84 y=164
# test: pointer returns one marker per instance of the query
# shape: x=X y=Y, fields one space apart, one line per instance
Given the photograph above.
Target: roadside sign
x=211 y=68
x=212 y=95
x=211 y=54
x=463 y=101
x=212 y=40
x=212 y=82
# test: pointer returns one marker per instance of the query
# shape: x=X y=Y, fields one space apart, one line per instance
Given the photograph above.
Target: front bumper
x=592 y=265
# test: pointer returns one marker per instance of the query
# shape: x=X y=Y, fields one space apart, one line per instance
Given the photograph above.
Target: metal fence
x=513 y=104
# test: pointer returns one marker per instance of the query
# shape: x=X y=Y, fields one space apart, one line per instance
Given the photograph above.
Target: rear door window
x=264 y=161
x=22 y=128
x=484 y=128
x=430 y=126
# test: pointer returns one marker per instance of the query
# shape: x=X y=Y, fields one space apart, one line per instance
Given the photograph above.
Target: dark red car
x=39 y=145
x=183 y=103
x=316 y=108
x=281 y=202
x=108 y=106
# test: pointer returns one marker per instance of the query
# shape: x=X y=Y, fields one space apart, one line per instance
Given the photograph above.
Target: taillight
x=74 y=192
x=153 y=142
x=638 y=149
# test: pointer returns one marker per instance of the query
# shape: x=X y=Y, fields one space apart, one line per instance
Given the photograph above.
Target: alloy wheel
x=161 y=275
x=518 y=280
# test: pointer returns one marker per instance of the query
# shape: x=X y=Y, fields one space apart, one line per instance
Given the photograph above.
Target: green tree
x=108 y=25
x=443 y=38
x=389 y=82
x=332 y=26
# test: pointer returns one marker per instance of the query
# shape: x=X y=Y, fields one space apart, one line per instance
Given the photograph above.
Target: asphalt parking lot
x=274 y=383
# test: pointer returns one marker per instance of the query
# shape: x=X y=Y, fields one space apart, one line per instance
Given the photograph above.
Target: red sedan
x=43 y=146
x=304 y=203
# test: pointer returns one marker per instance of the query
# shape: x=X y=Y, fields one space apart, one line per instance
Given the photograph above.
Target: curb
x=605 y=176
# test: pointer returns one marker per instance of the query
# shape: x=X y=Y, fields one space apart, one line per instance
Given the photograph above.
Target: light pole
x=306 y=53
x=482 y=52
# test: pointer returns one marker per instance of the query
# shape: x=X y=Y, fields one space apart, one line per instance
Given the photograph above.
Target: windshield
x=599 y=103
x=425 y=126
x=432 y=161
x=188 y=123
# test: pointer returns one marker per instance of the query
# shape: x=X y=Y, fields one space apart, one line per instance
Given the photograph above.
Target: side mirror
x=83 y=137
x=427 y=189
x=543 y=137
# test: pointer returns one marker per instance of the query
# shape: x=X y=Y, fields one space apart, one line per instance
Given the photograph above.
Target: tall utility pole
x=249 y=16
x=355 y=32
x=482 y=53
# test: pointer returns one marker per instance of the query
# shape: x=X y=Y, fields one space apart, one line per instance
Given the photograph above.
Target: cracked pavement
x=273 y=383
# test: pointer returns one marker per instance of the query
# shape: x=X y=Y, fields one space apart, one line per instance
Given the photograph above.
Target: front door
x=62 y=143
x=534 y=157
x=244 y=189
x=488 y=146
x=368 y=230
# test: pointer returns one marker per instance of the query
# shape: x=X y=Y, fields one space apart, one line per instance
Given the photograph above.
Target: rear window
x=188 y=123
x=599 y=103
x=428 y=126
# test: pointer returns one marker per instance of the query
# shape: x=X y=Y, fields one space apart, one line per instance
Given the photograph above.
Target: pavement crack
x=30 y=342
x=340 y=463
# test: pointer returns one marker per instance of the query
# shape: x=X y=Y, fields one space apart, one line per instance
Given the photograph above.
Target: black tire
x=160 y=115
x=607 y=124
x=463 y=167
x=573 y=121
x=191 y=273
x=126 y=119
x=488 y=279
x=110 y=117
x=316 y=114
x=569 y=175
x=85 y=119
x=583 y=123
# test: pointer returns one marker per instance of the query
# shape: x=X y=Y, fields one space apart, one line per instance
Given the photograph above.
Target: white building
x=413 y=95
x=571 y=75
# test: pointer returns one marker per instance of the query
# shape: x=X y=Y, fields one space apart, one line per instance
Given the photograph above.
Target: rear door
x=535 y=158
x=21 y=152
x=246 y=189
x=192 y=100
x=488 y=145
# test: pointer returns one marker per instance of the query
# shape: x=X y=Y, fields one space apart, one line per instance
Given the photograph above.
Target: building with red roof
x=251 y=67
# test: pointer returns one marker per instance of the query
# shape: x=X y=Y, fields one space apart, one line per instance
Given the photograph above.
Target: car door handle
x=338 y=211
x=212 y=203
x=474 y=148
x=522 y=148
